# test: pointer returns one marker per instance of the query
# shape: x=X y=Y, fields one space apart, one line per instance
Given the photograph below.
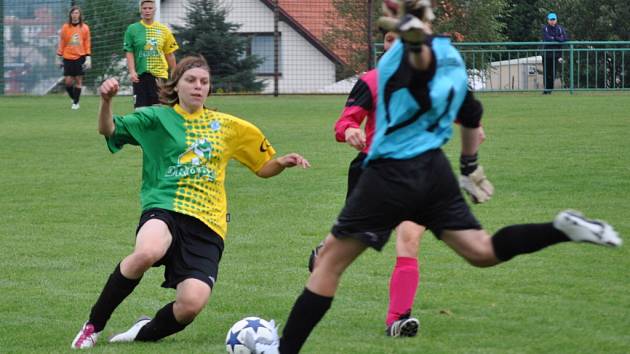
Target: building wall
x=304 y=68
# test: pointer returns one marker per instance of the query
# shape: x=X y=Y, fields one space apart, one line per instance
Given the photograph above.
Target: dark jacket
x=555 y=33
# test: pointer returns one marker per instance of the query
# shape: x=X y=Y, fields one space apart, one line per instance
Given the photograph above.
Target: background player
x=149 y=47
x=75 y=48
x=186 y=148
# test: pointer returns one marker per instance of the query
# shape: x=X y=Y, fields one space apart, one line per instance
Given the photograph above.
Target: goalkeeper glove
x=407 y=18
x=477 y=185
x=87 y=65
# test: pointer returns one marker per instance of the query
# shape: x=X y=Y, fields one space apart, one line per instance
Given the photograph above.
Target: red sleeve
x=358 y=105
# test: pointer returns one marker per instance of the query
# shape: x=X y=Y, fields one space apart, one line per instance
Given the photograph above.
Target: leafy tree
x=207 y=32
x=347 y=34
x=465 y=20
x=523 y=21
x=471 y=20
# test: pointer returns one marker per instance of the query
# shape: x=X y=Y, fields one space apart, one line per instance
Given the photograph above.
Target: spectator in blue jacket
x=552 y=32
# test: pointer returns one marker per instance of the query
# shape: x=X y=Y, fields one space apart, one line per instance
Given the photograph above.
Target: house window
x=261 y=45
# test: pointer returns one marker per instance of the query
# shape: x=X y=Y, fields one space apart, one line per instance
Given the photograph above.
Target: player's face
x=192 y=88
x=75 y=15
x=552 y=22
x=147 y=11
x=388 y=40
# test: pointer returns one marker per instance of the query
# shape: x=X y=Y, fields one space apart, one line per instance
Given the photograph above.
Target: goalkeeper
x=422 y=84
x=360 y=107
x=73 y=51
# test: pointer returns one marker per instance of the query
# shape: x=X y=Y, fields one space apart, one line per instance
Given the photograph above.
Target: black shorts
x=422 y=189
x=194 y=253
x=354 y=172
x=73 y=67
x=145 y=91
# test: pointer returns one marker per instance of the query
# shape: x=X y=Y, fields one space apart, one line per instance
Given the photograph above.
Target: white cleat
x=580 y=229
x=86 y=338
x=75 y=106
x=131 y=334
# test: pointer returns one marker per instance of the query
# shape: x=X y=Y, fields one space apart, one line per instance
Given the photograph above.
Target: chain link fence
x=298 y=46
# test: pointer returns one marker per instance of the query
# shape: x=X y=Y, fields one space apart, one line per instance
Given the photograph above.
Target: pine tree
x=206 y=32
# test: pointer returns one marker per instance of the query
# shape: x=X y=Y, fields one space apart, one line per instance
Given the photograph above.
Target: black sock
x=114 y=292
x=70 y=91
x=162 y=325
x=77 y=94
x=308 y=310
x=513 y=240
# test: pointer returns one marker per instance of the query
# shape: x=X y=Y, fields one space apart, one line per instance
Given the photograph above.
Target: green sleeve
x=130 y=129
x=128 y=43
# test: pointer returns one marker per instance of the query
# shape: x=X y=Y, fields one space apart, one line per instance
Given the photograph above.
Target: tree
x=206 y=32
x=465 y=20
x=347 y=34
x=471 y=20
x=523 y=21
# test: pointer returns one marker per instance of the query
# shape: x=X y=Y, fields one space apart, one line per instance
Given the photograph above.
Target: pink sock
x=402 y=288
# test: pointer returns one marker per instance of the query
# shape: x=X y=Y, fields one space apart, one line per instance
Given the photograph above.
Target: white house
x=306 y=65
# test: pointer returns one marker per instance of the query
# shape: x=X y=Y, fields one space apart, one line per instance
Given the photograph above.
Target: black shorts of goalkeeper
x=195 y=251
x=422 y=189
x=73 y=67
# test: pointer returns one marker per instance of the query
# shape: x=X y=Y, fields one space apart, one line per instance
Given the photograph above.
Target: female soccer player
x=186 y=148
x=75 y=47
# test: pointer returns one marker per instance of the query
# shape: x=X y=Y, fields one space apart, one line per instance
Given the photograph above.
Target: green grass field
x=70 y=208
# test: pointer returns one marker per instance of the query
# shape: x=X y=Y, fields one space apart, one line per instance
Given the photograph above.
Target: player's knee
x=144 y=259
x=186 y=308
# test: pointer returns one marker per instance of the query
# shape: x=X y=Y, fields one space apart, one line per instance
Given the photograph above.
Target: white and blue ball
x=258 y=327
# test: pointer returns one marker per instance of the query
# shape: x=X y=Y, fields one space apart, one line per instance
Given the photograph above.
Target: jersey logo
x=215 y=125
x=74 y=39
x=264 y=145
x=194 y=162
x=197 y=154
x=150 y=44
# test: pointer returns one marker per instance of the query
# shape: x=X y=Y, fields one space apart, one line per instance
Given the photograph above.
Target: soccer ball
x=258 y=327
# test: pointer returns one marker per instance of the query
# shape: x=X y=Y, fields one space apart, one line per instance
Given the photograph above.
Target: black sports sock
x=164 y=324
x=77 y=94
x=70 y=91
x=513 y=240
x=308 y=310
x=114 y=292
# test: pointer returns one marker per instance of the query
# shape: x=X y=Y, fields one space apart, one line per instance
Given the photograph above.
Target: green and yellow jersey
x=185 y=157
x=149 y=45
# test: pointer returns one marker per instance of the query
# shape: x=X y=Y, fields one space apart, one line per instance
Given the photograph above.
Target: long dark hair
x=168 y=95
x=70 y=15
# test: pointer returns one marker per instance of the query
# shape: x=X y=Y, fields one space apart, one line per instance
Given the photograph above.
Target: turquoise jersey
x=415 y=111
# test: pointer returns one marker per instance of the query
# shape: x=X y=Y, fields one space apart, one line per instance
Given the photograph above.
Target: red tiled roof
x=312 y=20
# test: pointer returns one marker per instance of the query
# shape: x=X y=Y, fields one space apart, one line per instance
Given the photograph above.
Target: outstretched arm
x=108 y=90
x=277 y=165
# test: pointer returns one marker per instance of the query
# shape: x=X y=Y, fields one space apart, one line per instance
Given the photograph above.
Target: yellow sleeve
x=254 y=150
x=170 y=44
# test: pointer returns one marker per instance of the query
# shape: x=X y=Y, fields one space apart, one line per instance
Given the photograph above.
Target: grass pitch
x=70 y=208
